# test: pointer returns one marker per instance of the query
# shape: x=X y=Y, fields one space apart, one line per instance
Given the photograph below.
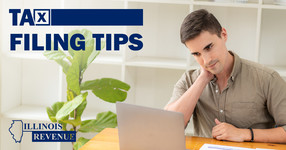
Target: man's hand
x=225 y=131
x=206 y=75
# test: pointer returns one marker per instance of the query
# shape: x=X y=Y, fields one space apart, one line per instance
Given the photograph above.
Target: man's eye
x=209 y=46
x=196 y=54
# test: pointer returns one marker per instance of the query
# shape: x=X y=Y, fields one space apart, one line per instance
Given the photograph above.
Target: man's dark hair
x=198 y=21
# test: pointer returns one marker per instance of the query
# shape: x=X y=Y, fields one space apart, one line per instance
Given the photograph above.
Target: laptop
x=143 y=128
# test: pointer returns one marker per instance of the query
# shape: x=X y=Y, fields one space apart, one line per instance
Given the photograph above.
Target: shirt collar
x=236 y=66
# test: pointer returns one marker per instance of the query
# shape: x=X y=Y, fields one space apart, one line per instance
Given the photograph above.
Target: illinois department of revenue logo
x=41 y=132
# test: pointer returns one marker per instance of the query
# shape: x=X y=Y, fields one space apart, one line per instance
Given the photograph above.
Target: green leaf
x=58 y=56
x=89 y=49
x=70 y=95
x=108 y=89
x=72 y=78
x=79 y=110
x=69 y=58
x=64 y=124
x=94 y=54
x=75 y=122
x=65 y=65
x=70 y=50
x=89 y=85
x=84 y=57
x=70 y=106
x=53 y=111
x=103 y=120
x=79 y=143
x=55 y=54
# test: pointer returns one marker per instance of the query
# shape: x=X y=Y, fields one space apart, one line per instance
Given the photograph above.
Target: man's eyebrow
x=206 y=47
x=193 y=53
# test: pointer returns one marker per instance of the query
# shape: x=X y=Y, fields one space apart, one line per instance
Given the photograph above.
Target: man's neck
x=225 y=74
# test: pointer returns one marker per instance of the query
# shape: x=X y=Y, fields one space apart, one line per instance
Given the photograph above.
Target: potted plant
x=74 y=63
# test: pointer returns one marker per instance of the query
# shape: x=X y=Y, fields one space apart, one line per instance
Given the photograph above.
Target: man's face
x=209 y=50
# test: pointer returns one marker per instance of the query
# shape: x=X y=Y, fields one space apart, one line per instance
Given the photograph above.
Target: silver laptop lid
x=143 y=128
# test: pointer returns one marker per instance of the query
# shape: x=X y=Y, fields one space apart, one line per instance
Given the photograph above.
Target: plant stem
x=74 y=127
x=75 y=111
x=80 y=79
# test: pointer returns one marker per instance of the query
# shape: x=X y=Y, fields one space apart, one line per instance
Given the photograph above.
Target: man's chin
x=213 y=72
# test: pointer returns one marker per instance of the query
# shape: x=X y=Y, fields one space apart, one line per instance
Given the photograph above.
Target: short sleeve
x=276 y=99
x=182 y=85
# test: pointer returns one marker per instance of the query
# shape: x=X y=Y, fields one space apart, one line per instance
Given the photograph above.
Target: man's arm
x=225 y=131
x=187 y=102
x=274 y=135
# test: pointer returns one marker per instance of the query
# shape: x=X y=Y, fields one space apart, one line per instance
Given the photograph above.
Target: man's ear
x=223 y=34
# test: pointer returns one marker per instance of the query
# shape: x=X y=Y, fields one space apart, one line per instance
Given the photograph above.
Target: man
x=230 y=98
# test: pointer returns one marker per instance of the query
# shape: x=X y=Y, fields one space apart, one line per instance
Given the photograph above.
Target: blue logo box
x=53 y=136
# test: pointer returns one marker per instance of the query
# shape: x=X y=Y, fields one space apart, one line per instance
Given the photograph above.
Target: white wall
x=0 y=67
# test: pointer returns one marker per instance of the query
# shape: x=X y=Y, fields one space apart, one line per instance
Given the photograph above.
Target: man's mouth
x=212 y=65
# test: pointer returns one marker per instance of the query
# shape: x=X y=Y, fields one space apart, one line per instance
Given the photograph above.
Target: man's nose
x=207 y=59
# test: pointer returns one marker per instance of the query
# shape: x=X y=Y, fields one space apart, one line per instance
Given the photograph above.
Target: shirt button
x=216 y=91
x=221 y=111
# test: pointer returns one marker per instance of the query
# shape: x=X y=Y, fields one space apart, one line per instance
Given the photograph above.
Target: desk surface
x=108 y=140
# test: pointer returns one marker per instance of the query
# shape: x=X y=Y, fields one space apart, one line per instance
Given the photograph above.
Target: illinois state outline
x=16 y=124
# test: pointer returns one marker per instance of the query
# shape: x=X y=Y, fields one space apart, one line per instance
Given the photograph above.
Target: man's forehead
x=201 y=41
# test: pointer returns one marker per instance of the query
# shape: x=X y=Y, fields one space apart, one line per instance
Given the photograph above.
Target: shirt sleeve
x=276 y=99
x=182 y=85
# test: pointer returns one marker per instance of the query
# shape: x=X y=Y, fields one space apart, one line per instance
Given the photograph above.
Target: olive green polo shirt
x=255 y=97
